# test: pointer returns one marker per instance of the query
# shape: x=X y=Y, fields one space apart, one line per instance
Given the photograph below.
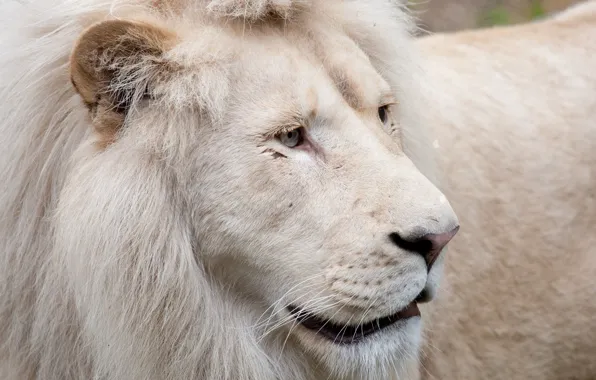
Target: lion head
x=243 y=206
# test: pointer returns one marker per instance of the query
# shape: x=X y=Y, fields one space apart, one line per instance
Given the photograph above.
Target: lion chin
x=214 y=190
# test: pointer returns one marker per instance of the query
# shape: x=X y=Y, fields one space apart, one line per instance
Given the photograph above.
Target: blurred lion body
x=514 y=112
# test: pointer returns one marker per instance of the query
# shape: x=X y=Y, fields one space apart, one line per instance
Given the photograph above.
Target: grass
x=494 y=17
x=499 y=15
x=537 y=10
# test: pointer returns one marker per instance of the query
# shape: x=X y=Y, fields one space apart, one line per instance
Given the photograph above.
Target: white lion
x=514 y=111
x=212 y=190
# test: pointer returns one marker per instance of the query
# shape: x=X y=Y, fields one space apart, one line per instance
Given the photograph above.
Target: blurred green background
x=452 y=15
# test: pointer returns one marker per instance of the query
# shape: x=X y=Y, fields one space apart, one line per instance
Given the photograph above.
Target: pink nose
x=428 y=246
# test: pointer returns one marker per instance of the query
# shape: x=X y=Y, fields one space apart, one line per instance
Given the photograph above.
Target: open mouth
x=350 y=334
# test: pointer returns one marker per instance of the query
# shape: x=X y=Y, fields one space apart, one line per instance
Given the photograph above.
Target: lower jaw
x=349 y=335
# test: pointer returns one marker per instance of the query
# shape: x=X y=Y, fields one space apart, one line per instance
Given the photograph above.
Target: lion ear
x=112 y=66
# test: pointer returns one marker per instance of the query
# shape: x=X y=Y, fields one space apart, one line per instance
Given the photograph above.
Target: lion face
x=319 y=212
x=286 y=153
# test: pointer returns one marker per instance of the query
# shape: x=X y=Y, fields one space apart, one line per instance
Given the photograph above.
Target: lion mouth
x=350 y=334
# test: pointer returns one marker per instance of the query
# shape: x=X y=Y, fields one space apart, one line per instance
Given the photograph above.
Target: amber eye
x=292 y=138
x=384 y=114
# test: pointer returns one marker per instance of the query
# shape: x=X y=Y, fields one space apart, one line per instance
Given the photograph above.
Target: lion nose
x=429 y=246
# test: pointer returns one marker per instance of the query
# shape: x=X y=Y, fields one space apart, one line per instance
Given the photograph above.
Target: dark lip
x=349 y=334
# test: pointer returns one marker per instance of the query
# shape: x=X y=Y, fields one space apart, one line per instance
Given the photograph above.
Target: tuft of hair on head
x=256 y=10
x=113 y=65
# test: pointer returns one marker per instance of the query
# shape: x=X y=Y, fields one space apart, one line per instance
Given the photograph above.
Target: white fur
x=172 y=252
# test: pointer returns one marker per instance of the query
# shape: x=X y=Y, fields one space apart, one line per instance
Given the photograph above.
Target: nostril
x=418 y=245
x=424 y=296
x=429 y=246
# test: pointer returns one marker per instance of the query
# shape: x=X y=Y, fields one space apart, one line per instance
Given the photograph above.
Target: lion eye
x=292 y=138
x=384 y=114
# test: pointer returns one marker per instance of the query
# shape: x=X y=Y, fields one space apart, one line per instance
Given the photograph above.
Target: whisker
x=292 y=289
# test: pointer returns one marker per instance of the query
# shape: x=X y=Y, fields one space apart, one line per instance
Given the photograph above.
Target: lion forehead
x=288 y=68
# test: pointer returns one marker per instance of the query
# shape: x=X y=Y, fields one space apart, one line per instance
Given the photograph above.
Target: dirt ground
x=451 y=15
